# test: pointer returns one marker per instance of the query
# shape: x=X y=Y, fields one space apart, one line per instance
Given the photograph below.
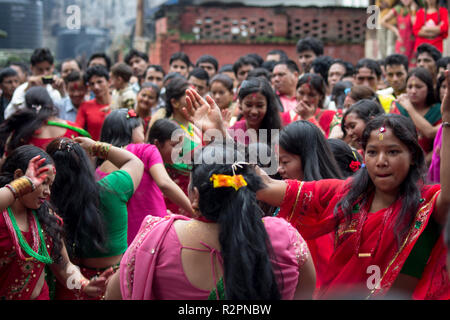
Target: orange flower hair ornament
x=224 y=180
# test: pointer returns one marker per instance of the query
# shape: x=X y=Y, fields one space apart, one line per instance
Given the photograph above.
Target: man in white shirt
x=42 y=75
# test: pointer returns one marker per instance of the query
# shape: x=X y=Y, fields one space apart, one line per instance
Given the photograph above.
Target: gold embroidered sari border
x=296 y=200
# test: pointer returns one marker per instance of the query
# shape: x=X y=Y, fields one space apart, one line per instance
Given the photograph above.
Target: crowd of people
x=113 y=188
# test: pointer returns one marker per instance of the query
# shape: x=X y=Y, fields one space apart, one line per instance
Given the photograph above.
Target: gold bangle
x=21 y=186
x=100 y=150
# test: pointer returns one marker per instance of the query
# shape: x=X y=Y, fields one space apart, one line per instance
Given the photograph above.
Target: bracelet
x=100 y=150
x=21 y=186
x=445 y=124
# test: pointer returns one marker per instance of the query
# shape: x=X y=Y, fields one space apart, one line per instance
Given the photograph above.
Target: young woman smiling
x=421 y=105
x=260 y=112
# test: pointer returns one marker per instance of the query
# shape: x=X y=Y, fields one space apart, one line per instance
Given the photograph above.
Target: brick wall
x=228 y=33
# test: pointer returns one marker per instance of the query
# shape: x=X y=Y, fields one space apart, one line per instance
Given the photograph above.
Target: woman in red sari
x=385 y=222
x=31 y=234
x=304 y=154
x=311 y=92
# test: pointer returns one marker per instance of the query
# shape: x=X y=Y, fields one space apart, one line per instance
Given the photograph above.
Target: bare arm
x=384 y=22
x=274 y=191
x=306 y=281
x=443 y=200
x=169 y=188
x=422 y=124
x=121 y=158
x=70 y=276
x=113 y=289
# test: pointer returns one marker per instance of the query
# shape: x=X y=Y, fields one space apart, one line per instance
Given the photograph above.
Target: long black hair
x=365 y=109
x=162 y=131
x=245 y=245
x=345 y=155
x=307 y=141
x=425 y=76
x=21 y=125
x=76 y=196
x=118 y=128
x=317 y=83
x=19 y=159
x=361 y=186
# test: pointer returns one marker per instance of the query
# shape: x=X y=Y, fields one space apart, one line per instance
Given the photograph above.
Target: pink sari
x=144 y=256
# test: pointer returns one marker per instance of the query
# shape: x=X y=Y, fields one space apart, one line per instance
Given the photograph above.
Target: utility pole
x=140 y=43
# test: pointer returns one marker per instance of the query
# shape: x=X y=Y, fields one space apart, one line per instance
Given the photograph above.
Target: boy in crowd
x=42 y=75
x=368 y=73
x=199 y=79
x=396 y=73
x=123 y=95
x=92 y=113
x=308 y=49
x=76 y=90
x=209 y=64
x=9 y=81
x=284 y=80
x=99 y=59
x=427 y=57
x=242 y=66
x=138 y=61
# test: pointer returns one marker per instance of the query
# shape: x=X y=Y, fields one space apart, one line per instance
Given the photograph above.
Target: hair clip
x=65 y=145
x=131 y=114
x=36 y=107
x=223 y=180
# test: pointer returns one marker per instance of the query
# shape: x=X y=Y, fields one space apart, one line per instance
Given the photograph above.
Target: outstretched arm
x=443 y=200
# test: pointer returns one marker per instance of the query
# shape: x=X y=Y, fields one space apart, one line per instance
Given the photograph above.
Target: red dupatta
x=309 y=206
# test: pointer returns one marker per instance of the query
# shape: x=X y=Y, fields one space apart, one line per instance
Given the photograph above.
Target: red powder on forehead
x=254 y=95
x=75 y=86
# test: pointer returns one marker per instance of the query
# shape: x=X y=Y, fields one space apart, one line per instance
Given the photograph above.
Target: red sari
x=309 y=206
x=18 y=278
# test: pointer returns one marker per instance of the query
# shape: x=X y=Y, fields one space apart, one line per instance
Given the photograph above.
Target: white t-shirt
x=18 y=99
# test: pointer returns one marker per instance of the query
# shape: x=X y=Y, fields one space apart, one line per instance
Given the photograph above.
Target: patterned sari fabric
x=148 y=255
x=18 y=278
x=309 y=206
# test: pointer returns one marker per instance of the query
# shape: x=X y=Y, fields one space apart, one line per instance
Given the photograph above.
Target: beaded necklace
x=39 y=250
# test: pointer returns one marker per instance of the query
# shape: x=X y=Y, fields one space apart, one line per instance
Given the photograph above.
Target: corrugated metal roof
x=268 y=3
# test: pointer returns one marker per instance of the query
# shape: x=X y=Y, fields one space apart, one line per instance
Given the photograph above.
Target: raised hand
x=36 y=172
x=304 y=110
x=204 y=114
x=405 y=102
x=85 y=143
